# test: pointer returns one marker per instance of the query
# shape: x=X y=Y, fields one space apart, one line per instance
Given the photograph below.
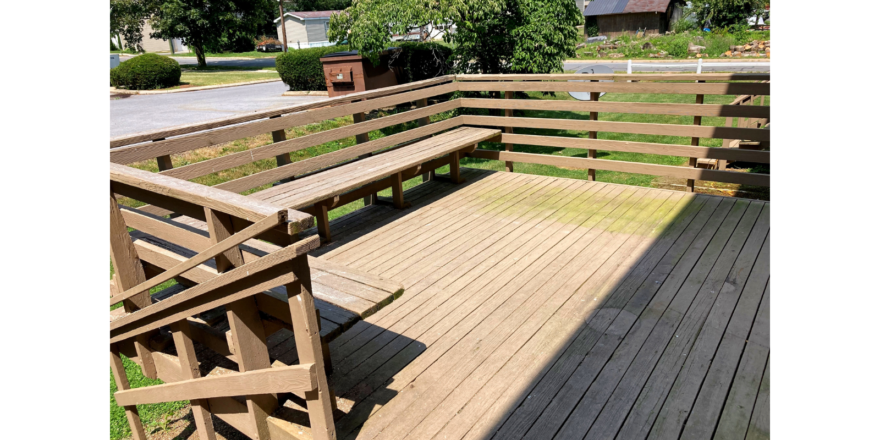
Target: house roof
x=309 y=15
x=608 y=7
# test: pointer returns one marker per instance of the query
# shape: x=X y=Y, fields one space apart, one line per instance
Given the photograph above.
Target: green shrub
x=718 y=44
x=301 y=69
x=677 y=46
x=418 y=61
x=591 y=26
x=144 y=72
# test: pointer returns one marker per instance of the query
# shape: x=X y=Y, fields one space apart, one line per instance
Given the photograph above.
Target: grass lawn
x=155 y=417
x=203 y=78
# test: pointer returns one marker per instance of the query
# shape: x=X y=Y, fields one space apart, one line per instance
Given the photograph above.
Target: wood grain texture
x=201 y=195
x=131 y=411
x=639 y=147
x=140 y=152
x=613 y=87
x=189 y=368
x=295 y=378
x=617 y=77
x=628 y=167
x=622 y=127
x=129 y=139
x=647 y=108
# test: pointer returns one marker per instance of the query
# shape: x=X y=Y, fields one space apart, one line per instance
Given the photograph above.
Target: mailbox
x=348 y=72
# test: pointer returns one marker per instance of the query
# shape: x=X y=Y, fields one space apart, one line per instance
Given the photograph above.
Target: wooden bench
x=318 y=193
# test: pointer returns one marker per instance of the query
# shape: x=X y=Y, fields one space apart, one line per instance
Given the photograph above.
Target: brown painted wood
x=594 y=116
x=397 y=191
x=296 y=378
x=612 y=87
x=189 y=367
x=629 y=167
x=695 y=142
x=131 y=412
x=622 y=127
x=508 y=112
x=648 y=108
x=217 y=123
x=618 y=77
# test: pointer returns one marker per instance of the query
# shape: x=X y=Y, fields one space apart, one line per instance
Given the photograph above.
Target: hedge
x=418 y=61
x=144 y=72
x=301 y=69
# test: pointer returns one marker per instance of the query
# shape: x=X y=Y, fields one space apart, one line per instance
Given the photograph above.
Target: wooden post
x=397 y=191
x=131 y=412
x=423 y=122
x=130 y=273
x=722 y=163
x=692 y=162
x=360 y=139
x=594 y=116
x=455 y=167
x=281 y=159
x=164 y=162
x=508 y=166
x=248 y=337
x=309 y=347
x=189 y=366
x=322 y=216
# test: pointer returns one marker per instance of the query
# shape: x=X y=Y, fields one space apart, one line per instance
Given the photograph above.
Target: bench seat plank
x=324 y=185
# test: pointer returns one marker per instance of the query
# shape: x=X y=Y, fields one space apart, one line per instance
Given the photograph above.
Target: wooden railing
x=236 y=282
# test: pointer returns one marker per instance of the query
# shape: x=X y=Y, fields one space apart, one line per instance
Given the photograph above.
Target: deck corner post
x=508 y=166
x=309 y=346
x=695 y=142
x=594 y=116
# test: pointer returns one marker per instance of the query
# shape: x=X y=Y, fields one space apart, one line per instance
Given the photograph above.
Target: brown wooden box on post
x=348 y=72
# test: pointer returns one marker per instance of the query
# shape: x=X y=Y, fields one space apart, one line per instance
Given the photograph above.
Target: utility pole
x=283 y=28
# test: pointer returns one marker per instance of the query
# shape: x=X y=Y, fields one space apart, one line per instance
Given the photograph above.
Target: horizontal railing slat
x=179 y=130
x=638 y=147
x=616 y=87
x=135 y=153
x=617 y=77
x=626 y=167
x=755 y=134
x=648 y=108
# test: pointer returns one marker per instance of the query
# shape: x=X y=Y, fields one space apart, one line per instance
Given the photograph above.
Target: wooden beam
x=129 y=272
x=508 y=112
x=189 y=367
x=628 y=167
x=131 y=412
x=639 y=147
x=295 y=378
x=646 y=108
x=231 y=242
x=224 y=201
x=617 y=77
x=594 y=116
x=621 y=127
x=612 y=87
x=397 y=191
x=695 y=142
x=179 y=130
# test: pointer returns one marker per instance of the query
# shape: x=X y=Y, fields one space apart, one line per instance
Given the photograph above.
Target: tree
x=209 y=25
x=491 y=36
x=724 y=13
x=315 y=5
x=127 y=18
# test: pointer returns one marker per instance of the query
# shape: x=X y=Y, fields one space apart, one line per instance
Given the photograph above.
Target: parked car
x=270 y=47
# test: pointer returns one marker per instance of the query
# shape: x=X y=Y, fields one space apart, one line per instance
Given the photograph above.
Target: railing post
x=423 y=122
x=722 y=163
x=189 y=366
x=131 y=412
x=594 y=116
x=508 y=166
x=309 y=347
x=695 y=142
x=284 y=158
x=129 y=273
x=248 y=336
x=360 y=139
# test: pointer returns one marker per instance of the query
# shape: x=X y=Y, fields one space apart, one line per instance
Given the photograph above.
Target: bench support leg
x=397 y=191
x=322 y=216
x=454 y=167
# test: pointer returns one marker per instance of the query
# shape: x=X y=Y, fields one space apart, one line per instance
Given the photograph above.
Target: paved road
x=135 y=113
x=256 y=62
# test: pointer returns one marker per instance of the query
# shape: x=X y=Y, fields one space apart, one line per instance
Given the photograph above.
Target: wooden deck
x=539 y=307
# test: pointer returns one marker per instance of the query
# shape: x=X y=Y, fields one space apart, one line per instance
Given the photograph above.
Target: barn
x=617 y=17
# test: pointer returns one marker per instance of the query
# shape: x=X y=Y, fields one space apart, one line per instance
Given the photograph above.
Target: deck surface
x=539 y=307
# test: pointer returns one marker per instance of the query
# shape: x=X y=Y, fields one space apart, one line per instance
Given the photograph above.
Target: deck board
x=540 y=307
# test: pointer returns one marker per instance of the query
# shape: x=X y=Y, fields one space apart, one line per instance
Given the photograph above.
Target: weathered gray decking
x=539 y=307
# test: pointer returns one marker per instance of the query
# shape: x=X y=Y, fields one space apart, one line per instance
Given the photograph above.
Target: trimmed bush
x=301 y=69
x=145 y=72
x=418 y=61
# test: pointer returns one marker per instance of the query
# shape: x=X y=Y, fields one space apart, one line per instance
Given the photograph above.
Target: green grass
x=153 y=415
x=199 y=79
x=675 y=45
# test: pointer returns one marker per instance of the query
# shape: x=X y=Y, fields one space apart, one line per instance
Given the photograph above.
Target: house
x=154 y=44
x=617 y=17
x=305 y=29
